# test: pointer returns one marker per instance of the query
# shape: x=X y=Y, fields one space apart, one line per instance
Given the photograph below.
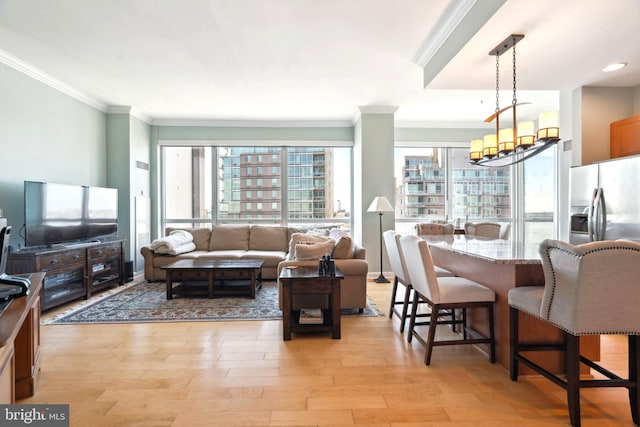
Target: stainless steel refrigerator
x=605 y=201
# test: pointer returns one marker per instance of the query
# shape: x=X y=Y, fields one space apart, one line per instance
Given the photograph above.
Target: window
x=539 y=196
x=452 y=188
x=204 y=185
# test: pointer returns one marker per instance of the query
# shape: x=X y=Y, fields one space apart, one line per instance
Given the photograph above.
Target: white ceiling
x=306 y=60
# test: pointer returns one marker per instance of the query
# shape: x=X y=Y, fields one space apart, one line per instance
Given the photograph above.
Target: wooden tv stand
x=20 y=344
x=73 y=272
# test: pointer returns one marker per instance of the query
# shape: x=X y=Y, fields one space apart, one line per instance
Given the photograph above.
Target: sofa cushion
x=270 y=258
x=268 y=238
x=229 y=236
x=229 y=254
x=306 y=251
x=297 y=238
x=200 y=236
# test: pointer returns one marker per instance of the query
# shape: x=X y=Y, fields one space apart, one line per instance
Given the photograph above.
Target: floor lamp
x=380 y=204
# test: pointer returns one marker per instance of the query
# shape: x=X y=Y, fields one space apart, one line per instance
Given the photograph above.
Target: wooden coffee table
x=307 y=281
x=222 y=277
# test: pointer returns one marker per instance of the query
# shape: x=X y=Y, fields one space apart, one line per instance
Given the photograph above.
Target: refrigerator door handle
x=597 y=230
x=603 y=216
x=591 y=215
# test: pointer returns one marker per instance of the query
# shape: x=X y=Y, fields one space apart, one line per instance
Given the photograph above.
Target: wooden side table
x=307 y=281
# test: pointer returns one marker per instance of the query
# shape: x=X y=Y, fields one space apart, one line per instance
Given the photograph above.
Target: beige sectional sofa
x=274 y=245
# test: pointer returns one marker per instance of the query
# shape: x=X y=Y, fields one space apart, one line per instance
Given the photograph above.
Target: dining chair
x=483 y=229
x=590 y=289
x=444 y=293
x=432 y=228
x=399 y=268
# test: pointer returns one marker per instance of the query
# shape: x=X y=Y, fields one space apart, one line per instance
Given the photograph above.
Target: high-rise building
x=477 y=192
x=251 y=181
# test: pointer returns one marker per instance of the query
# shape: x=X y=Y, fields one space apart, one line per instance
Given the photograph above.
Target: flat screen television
x=62 y=213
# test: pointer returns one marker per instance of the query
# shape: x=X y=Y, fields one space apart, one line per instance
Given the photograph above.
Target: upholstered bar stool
x=429 y=228
x=492 y=230
x=444 y=294
x=590 y=289
x=398 y=265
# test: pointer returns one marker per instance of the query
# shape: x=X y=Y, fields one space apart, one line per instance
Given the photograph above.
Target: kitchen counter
x=497 y=251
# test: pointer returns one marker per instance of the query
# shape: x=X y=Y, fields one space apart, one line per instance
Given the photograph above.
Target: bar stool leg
x=513 y=343
x=573 y=379
x=634 y=367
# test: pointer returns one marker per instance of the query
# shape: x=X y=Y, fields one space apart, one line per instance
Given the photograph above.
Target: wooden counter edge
x=16 y=313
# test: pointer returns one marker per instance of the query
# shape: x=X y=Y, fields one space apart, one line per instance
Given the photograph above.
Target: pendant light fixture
x=511 y=145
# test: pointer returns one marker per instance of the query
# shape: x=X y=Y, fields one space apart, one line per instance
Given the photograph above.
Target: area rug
x=147 y=302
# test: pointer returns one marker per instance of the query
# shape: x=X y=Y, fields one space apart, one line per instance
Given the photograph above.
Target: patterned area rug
x=147 y=302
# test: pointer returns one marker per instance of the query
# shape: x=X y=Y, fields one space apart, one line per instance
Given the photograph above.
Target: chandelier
x=511 y=145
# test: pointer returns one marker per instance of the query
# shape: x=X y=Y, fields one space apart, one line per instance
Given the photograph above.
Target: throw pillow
x=318 y=231
x=344 y=248
x=303 y=237
x=314 y=251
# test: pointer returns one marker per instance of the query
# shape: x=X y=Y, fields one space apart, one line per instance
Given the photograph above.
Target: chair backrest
x=505 y=231
x=430 y=228
x=483 y=229
x=420 y=267
x=591 y=288
x=396 y=257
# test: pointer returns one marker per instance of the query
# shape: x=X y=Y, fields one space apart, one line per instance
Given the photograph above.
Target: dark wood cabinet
x=72 y=273
x=105 y=266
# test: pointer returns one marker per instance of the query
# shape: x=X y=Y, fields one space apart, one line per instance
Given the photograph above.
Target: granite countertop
x=495 y=250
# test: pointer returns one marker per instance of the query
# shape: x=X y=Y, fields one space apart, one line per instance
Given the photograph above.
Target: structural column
x=373 y=175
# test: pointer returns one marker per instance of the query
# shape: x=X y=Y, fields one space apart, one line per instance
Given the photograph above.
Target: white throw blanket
x=178 y=242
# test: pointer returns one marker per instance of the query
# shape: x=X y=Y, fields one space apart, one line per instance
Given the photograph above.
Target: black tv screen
x=59 y=213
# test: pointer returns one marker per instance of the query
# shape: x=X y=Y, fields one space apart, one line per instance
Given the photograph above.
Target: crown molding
x=451 y=18
x=254 y=123
x=42 y=77
x=423 y=124
x=377 y=109
x=126 y=109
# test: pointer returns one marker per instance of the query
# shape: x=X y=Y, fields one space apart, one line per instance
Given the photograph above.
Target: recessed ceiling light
x=614 y=67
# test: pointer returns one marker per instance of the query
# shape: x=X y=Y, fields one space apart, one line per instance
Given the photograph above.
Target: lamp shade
x=548 y=125
x=476 y=149
x=505 y=140
x=380 y=204
x=526 y=134
x=490 y=145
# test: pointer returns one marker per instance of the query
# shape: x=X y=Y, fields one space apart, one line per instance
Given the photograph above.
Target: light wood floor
x=244 y=374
